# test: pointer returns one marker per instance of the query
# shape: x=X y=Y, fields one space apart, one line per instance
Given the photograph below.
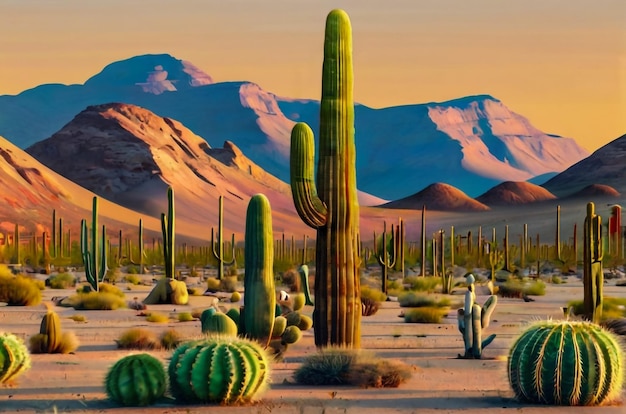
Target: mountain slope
x=607 y=166
x=438 y=197
x=30 y=191
x=515 y=193
x=472 y=143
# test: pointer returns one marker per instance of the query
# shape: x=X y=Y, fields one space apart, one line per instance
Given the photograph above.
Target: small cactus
x=566 y=363
x=14 y=357
x=136 y=380
x=218 y=323
x=223 y=371
x=472 y=319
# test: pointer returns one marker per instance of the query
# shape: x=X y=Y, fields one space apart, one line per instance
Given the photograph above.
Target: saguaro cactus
x=593 y=278
x=386 y=259
x=218 y=246
x=472 y=319
x=259 y=301
x=94 y=271
x=334 y=211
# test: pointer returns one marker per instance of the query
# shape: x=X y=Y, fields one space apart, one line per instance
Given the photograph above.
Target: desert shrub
x=394 y=284
x=78 y=318
x=212 y=285
x=291 y=279
x=170 y=339
x=557 y=280
x=425 y=314
x=229 y=284
x=132 y=270
x=374 y=294
x=416 y=300
x=18 y=290
x=514 y=288
x=341 y=366
x=137 y=338
x=95 y=301
x=38 y=344
x=157 y=317
x=61 y=281
x=612 y=308
x=108 y=288
x=133 y=279
x=185 y=317
x=113 y=275
x=422 y=283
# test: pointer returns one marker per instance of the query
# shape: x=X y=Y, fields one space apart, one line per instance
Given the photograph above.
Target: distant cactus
x=14 y=357
x=223 y=371
x=593 y=276
x=566 y=363
x=136 y=380
x=94 y=259
x=217 y=247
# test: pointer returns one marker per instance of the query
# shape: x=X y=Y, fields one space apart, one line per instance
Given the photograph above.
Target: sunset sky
x=560 y=63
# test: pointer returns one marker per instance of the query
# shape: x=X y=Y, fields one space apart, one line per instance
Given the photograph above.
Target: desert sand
x=441 y=383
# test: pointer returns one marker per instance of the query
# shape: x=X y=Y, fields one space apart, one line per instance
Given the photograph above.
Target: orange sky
x=561 y=63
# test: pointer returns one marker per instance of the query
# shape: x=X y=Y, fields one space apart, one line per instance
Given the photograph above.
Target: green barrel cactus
x=14 y=357
x=259 y=300
x=51 y=328
x=332 y=208
x=218 y=323
x=223 y=371
x=136 y=380
x=566 y=363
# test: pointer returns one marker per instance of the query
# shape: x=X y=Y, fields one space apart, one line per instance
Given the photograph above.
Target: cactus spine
x=259 y=301
x=472 y=319
x=593 y=278
x=136 y=380
x=94 y=271
x=14 y=357
x=219 y=253
x=224 y=371
x=566 y=363
x=334 y=213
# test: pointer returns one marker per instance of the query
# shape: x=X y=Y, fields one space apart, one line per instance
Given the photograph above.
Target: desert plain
x=440 y=383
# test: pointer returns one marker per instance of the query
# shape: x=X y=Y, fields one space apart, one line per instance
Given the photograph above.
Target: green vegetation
x=136 y=380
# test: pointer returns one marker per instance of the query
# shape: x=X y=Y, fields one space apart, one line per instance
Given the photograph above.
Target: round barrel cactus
x=136 y=380
x=566 y=363
x=14 y=357
x=218 y=370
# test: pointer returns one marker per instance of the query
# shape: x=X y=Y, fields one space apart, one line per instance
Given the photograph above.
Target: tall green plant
x=94 y=270
x=218 y=246
x=334 y=210
x=593 y=276
x=260 y=294
x=386 y=259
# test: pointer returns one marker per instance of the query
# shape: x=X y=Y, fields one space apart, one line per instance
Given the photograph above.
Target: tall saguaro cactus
x=386 y=259
x=593 y=278
x=334 y=210
x=94 y=270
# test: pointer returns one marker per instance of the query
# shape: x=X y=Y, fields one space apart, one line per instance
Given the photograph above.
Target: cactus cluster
x=14 y=357
x=332 y=208
x=566 y=363
x=218 y=370
x=136 y=380
x=472 y=319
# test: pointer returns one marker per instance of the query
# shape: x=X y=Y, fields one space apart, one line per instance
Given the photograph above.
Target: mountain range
x=129 y=154
x=471 y=143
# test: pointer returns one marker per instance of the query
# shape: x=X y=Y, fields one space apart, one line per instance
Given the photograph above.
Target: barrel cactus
x=566 y=363
x=218 y=323
x=14 y=357
x=136 y=380
x=218 y=370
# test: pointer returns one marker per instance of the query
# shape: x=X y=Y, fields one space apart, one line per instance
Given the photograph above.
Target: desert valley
x=201 y=186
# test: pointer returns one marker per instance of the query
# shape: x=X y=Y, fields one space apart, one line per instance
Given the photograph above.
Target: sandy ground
x=441 y=383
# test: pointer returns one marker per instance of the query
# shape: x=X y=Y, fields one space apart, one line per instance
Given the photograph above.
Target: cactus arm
x=309 y=206
x=303 y=271
x=103 y=256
